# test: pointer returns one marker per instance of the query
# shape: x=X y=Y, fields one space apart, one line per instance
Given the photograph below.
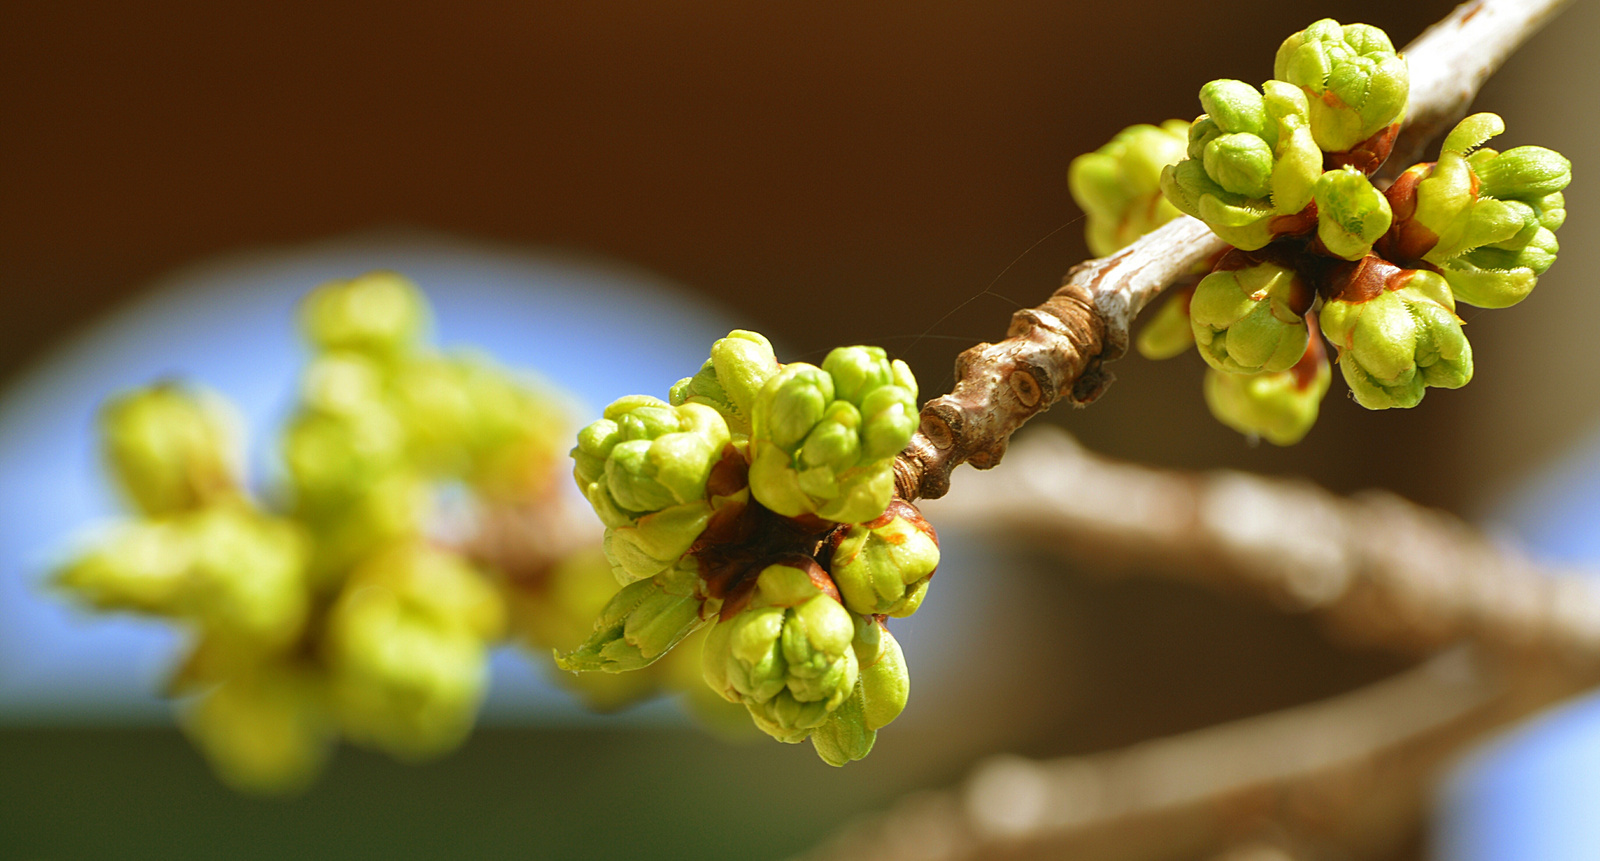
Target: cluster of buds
x=1283 y=174
x=755 y=508
x=336 y=614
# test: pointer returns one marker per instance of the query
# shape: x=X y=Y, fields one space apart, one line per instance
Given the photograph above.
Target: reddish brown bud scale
x=1297 y=224
x=729 y=475
x=1364 y=279
x=1407 y=240
x=1305 y=371
x=1367 y=156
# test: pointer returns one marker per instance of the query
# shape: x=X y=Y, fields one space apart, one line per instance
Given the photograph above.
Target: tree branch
x=1376 y=566
x=1057 y=350
x=1350 y=774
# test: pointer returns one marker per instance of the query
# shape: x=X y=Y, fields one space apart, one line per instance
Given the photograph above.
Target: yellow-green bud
x=142 y=566
x=170 y=449
x=1279 y=407
x=247 y=580
x=1356 y=84
x=1168 y=332
x=1396 y=333
x=265 y=730
x=824 y=439
x=380 y=313
x=406 y=646
x=1486 y=219
x=730 y=380
x=882 y=567
x=1351 y=214
x=788 y=656
x=644 y=467
x=1250 y=166
x=1248 y=316
x=1119 y=185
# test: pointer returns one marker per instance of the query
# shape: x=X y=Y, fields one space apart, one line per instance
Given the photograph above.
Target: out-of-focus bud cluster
x=334 y=613
x=753 y=515
x=1282 y=173
x=1119 y=184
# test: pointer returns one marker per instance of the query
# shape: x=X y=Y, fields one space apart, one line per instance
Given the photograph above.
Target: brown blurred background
x=828 y=172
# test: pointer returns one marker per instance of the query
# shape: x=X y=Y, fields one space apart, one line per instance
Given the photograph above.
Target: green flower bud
x=1396 y=333
x=1495 y=276
x=142 y=566
x=788 y=656
x=1119 y=184
x=730 y=380
x=1525 y=173
x=399 y=506
x=1240 y=163
x=406 y=647
x=882 y=567
x=240 y=575
x=266 y=730
x=379 y=313
x=514 y=434
x=1250 y=166
x=844 y=737
x=1235 y=106
x=247 y=577
x=644 y=467
x=1280 y=407
x=824 y=439
x=343 y=382
x=885 y=684
x=1168 y=332
x=1248 y=316
x=170 y=449
x=877 y=699
x=1486 y=219
x=640 y=624
x=334 y=458
x=1351 y=214
x=437 y=585
x=1356 y=84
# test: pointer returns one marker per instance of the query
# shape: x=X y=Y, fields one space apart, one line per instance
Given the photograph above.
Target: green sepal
x=638 y=625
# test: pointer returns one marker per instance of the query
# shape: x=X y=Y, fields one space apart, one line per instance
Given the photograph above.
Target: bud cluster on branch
x=759 y=502
x=1059 y=349
x=1282 y=175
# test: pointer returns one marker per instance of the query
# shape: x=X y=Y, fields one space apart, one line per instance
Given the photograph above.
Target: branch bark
x=1058 y=350
x=1375 y=566
x=1349 y=776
